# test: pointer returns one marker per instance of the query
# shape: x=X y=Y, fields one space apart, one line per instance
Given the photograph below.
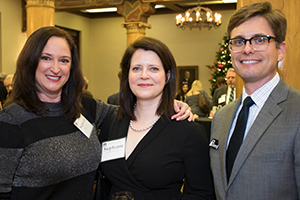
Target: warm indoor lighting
x=198 y=17
x=112 y=9
x=101 y=10
x=229 y=1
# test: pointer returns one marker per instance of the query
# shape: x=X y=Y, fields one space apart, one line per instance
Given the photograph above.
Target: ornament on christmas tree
x=220 y=65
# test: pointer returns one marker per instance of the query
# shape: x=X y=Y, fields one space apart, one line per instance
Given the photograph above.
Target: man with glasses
x=255 y=142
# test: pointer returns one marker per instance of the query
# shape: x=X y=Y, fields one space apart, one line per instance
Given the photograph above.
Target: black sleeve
x=108 y=123
x=89 y=108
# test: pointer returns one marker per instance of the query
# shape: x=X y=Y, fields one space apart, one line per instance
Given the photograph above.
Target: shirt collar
x=261 y=95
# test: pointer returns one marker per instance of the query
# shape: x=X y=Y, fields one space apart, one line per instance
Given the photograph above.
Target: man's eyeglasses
x=258 y=43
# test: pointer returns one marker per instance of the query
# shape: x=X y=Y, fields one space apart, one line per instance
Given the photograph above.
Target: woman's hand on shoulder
x=183 y=111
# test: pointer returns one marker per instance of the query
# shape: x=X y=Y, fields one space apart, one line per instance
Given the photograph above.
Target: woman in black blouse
x=159 y=153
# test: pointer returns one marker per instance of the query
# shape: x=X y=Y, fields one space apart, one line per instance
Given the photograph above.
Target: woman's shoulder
x=188 y=127
x=15 y=114
x=189 y=132
x=191 y=93
x=95 y=108
x=14 y=109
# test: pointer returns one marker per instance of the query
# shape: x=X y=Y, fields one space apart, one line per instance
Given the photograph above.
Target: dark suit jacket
x=170 y=152
x=218 y=93
x=113 y=99
x=3 y=92
x=268 y=163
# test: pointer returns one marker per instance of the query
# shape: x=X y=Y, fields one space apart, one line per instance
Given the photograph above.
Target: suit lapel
x=266 y=116
x=146 y=140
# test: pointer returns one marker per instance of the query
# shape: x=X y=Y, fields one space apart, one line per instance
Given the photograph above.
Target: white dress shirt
x=259 y=97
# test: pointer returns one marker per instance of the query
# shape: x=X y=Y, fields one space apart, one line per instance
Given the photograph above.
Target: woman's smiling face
x=53 y=69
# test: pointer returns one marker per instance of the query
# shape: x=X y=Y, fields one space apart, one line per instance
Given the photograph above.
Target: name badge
x=113 y=149
x=222 y=99
x=214 y=143
x=84 y=126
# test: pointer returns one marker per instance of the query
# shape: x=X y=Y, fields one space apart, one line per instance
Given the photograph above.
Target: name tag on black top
x=113 y=149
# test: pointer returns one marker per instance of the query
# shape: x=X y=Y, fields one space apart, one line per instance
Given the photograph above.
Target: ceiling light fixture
x=229 y=1
x=101 y=10
x=112 y=9
x=198 y=17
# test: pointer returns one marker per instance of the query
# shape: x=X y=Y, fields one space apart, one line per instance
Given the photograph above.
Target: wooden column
x=135 y=16
x=289 y=69
x=39 y=13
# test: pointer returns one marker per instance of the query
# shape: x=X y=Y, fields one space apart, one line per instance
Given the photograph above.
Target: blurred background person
x=3 y=91
x=220 y=82
x=85 y=91
x=182 y=94
x=159 y=153
x=114 y=98
x=226 y=93
x=186 y=79
x=8 y=83
x=192 y=99
x=86 y=83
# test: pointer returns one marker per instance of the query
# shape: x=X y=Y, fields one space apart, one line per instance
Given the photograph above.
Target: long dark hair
x=127 y=98
x=25 y=91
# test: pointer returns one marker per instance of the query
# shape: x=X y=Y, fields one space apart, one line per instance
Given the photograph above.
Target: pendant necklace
x=142 y=129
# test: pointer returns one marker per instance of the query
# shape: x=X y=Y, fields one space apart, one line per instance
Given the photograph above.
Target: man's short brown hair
x=274 y=17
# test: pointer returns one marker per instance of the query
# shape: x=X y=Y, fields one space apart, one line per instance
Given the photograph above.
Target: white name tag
x=84 y=126
x=113 y=149
x=222 y=99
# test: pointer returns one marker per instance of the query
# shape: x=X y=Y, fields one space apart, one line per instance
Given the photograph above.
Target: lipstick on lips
x=53 y=78
x=144 y=85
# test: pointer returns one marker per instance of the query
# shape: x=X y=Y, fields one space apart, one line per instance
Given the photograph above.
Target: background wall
x=103 y=42
x=189 y=47
x=108 y=42
x=12 y=38
x=83 y=25
x=108 y=46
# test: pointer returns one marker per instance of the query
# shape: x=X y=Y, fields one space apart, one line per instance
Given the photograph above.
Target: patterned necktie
x=231 y=97
x=238 y=135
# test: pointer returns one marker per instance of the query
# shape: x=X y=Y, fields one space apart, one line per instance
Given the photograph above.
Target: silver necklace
x=143 y=129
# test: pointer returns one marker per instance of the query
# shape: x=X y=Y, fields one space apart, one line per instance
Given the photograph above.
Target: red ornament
x=220 y=65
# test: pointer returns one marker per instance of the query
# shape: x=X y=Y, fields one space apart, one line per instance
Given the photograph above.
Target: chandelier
x=198 y=17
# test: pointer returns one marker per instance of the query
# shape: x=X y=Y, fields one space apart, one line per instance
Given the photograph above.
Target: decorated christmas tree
x=222 y=63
